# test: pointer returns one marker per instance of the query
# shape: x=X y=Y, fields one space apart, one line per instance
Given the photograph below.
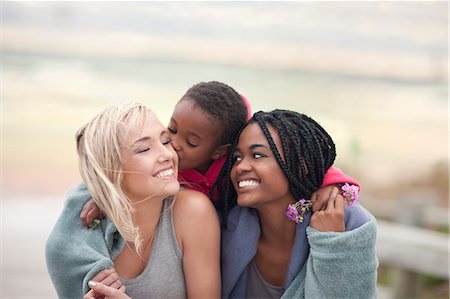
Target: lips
x=164 y=174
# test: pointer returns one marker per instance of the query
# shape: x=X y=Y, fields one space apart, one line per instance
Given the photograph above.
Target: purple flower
x=296 y=211
x=291 y=212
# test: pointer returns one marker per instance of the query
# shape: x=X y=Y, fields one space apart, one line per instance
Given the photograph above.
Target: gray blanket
x=340 y=265
x=75 y=254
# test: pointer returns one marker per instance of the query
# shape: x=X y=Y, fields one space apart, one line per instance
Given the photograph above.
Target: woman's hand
x=105 y=292
x=319 y=199
x=107 y=277
x=90 y=212
x=332 y=218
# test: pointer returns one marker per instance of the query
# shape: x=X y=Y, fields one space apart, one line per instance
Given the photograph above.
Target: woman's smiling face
x=149 y=162
x=256 y=175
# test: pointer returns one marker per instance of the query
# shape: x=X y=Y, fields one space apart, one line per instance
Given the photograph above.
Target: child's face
x=256 y=175
x=194 y=136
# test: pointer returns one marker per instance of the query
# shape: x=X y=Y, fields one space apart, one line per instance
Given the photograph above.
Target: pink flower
x=350 y=193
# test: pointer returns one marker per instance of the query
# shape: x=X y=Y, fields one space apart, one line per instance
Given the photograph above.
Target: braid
x=227 y=194
x=284 y=128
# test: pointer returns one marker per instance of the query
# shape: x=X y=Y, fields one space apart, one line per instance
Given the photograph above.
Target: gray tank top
x=257 y=287
x=163 y=277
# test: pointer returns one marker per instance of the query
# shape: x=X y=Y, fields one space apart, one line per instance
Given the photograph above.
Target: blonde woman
x=162 y=242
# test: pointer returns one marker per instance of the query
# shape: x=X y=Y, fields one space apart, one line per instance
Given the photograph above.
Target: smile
x=248 y=184
x=163 y=174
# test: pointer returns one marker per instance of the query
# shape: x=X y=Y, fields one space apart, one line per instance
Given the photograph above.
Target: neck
x=146 y=216
x=275 y=226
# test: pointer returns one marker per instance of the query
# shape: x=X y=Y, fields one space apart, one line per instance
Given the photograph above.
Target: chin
x=171 y=188
x=242 y=201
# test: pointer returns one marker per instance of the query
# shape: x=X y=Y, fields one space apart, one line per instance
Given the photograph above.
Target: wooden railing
x=412 y=248
x=407 y=243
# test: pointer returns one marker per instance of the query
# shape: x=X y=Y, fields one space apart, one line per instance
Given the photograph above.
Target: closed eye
x=191 y=144
x=171 y=131
x=139 y=151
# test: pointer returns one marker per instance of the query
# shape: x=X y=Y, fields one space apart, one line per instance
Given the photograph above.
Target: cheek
x=136 y=174
x=129 y=183
x=194 y=155
x=277 y=179
x=233 y=176
x=174 y=153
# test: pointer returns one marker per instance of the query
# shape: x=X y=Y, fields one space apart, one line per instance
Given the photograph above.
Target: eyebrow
x=188 y=131
x=145 y=138
x=253 y=146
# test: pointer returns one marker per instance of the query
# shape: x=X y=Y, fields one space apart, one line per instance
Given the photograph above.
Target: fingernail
x=91 y=283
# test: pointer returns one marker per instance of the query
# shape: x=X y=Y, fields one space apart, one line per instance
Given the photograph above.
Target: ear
x=220 y=151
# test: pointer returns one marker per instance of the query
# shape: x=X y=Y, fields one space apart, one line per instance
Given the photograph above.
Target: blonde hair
x=99 y=144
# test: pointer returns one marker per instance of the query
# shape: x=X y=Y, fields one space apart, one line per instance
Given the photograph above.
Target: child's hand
x=332 y=218
x=319 y=199
x=107 y=277
x=99 y=290
x=90 y=212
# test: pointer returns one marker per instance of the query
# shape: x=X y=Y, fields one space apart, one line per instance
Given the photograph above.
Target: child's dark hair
x=308 y=150
x=223 y=103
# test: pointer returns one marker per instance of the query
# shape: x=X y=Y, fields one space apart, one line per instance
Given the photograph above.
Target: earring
x=297 y=210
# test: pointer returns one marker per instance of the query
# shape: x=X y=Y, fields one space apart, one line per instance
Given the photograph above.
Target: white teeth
x=164 y=173
x=248 y=183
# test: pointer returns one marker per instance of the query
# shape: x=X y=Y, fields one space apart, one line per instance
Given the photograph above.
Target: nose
x=167 y=153
x=175 y=143
x=243 y=166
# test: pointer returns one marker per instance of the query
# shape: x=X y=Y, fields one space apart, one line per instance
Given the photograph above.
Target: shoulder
x=355 y=216
x=194 y=215
x=193 y=203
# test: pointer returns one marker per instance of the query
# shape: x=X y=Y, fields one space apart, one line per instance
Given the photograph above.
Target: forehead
x=192 y=119
x=253 y=134
x=142 y=124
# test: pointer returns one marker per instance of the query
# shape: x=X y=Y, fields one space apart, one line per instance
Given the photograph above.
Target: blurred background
x=373 y=74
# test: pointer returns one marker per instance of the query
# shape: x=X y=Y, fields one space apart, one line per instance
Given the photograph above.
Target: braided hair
x=308 y=150
x=222 y=103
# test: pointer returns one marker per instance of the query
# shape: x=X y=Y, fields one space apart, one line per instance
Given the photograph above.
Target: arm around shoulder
x=198 y=231
x=73 y=253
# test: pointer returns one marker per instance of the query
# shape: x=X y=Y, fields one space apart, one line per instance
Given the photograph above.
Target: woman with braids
x=277 y=163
